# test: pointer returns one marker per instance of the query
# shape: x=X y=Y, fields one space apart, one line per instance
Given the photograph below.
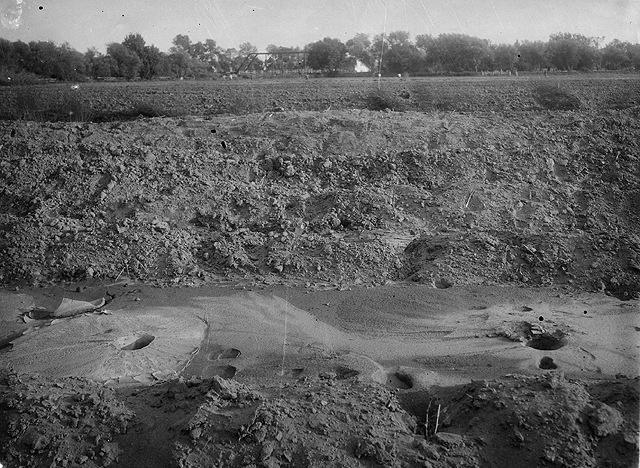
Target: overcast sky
x=87 y=23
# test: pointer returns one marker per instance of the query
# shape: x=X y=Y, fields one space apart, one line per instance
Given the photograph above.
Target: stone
x=449 y=439
x=605 y=420
x=226 y=389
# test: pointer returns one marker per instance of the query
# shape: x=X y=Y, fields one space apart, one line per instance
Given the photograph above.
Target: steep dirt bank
x=339 y=197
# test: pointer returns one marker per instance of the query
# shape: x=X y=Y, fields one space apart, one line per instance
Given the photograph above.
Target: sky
x=95 y=23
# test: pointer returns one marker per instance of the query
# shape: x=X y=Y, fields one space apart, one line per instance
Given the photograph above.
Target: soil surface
x=289 y=278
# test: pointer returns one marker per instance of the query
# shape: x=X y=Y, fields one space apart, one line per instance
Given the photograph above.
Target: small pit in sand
x=397 y=379
x=230 y=353
x=134 y=342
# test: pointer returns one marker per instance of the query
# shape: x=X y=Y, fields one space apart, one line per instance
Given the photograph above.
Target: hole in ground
x=404 y=379
x=393 y=379
x=139 y=343
x=230 y=353
x=345 y=372
x=443 y=283
x=545 y=342
x=226 y=372
x=547 y=363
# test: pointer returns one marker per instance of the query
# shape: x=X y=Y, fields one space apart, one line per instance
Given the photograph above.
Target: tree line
x=391 y=53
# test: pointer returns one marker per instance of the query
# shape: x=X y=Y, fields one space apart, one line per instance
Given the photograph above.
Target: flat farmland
x=111 y=101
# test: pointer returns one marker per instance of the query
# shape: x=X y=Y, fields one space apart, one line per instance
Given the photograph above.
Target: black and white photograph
x=320 y=234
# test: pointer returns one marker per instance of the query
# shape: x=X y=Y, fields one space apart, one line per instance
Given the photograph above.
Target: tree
x=152 y=60
x=401 y=55
x=459 y=52
x=182 y=43
x=22 y=53
x=327 y=54
x=97 y=64
x=180 y=64
x=136 y=43
x=127 y=62
x=359 y=50
x=6 y=53
x=429 y=46
x=69 y=65
x=572 y=51
x=42 y=58
x=281 y=60
x=505 y=56
x=531 y=55
x=228 y=60
x=615 y=55
x=244 y=51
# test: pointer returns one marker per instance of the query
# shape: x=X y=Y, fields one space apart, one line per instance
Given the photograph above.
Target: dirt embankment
x=330 y=420
x=340 y=197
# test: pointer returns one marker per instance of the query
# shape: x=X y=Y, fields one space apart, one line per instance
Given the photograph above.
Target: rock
x=267 y=450
x=430 y=450
x=226 y=389
x=449 y=439
x=605 y=420
x=195 y=433
x=40 y=443
x=373 y=448
x=328 y=375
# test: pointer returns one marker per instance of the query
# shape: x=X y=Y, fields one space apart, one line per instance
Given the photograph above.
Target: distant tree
x=615 y=55
x=182 y=43
x=135 y=42
x=98 y=65
x=199 y=51
x=429 y=47
x=180 y=64
x=212 y=52
x=633 y=52
x=531 y=55
x=127 y=61
x=6 y=54
x=505 y=56
x=327 y=54
x=152 y=60
x=359 y=50
x=572 y=51
x=228 y=60
x=459 y=52
x=247 y=48
x=401 y=55
x=280 y=60
x=21 y=53
x=70 y=64
x=42 y=58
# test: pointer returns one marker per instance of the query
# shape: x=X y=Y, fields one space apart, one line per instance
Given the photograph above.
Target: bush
x=9 y=77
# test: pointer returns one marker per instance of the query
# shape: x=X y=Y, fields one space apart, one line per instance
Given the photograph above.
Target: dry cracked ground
x=286 y=277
